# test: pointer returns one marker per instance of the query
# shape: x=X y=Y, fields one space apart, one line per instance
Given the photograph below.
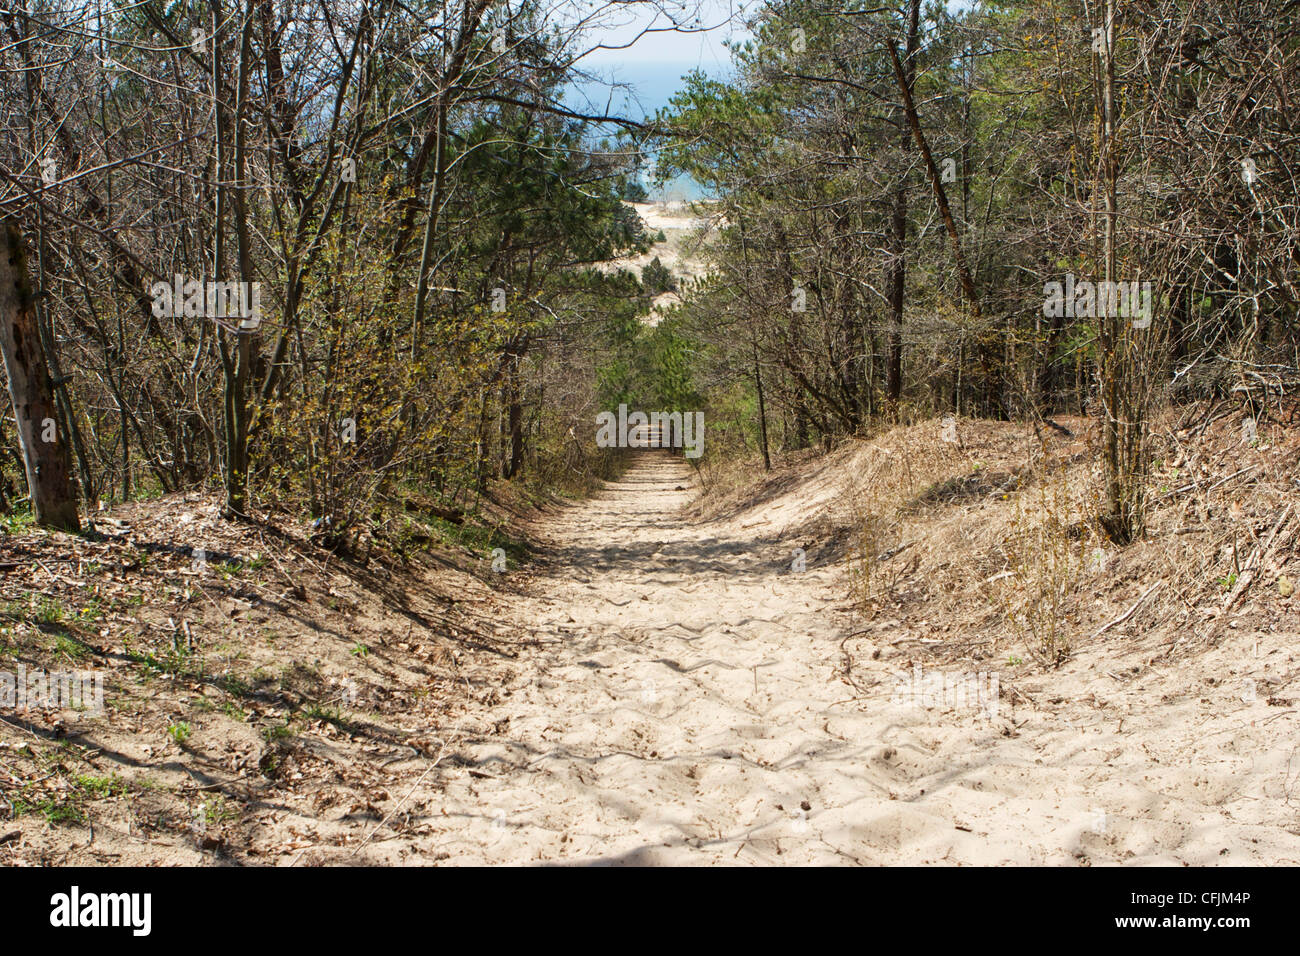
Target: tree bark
x=898 y=231
x=46 y=462
x=762 y=411
x=940 y=194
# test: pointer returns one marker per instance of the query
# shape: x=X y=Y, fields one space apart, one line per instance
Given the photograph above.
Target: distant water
x=636 y=90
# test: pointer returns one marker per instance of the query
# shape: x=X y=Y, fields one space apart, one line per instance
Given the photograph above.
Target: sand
x=688 y=703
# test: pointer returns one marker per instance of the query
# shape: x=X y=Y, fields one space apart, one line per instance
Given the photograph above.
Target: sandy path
x=685 y=706
x=639 y=736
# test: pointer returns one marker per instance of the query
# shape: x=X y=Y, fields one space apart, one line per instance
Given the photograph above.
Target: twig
x=1261 y=554
x=1130 y=612
x=1192 y=486
x=1021 y=694
x=401 y=803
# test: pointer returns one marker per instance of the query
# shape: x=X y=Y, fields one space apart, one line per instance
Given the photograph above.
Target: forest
x=321 y=322
x=423 y=213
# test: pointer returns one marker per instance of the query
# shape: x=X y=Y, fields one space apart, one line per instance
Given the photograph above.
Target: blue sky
x=653 y=62
x=650 y=64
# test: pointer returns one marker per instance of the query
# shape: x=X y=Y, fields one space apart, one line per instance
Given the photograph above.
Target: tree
x=45 y=452
x=657 y=278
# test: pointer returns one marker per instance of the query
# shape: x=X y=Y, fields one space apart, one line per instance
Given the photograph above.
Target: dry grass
x=1020 y=508
x=987 y=546
x=272 y=683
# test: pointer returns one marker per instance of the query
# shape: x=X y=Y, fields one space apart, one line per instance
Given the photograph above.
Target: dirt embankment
x=261 y=694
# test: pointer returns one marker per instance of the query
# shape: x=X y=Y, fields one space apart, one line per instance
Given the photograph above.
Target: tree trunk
x=940 y=194
x=245 y=355
x=1123 y=411
x=762 y=411
x=898 y=231
x=45 y=452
